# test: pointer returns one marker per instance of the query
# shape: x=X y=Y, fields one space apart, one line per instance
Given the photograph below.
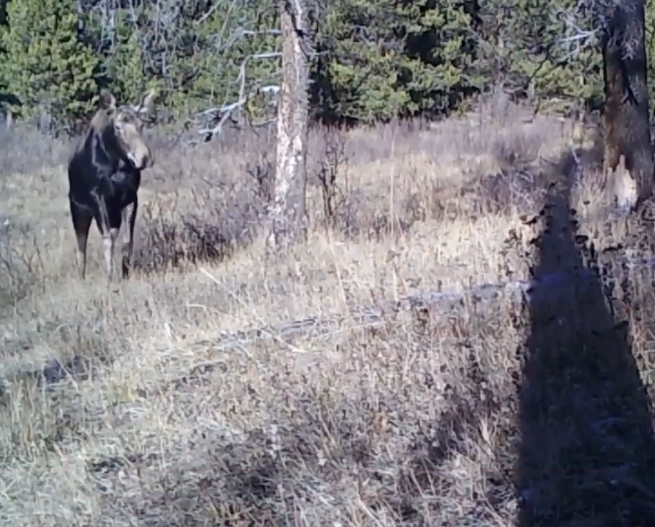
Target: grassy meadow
x=191 y=395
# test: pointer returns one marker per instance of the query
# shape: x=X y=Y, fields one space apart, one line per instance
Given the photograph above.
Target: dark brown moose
x=104 y=174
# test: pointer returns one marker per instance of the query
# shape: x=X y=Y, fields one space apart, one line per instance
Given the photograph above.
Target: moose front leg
x=109 y=242
x=129 y=217
x=108 y=220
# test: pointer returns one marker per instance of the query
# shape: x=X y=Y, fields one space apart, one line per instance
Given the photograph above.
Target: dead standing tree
x=288 y=213
x=628 y=156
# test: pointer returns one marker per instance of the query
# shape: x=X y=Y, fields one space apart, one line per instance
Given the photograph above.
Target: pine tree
x=45 y=65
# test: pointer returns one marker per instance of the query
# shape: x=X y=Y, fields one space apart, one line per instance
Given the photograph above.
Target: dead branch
x=224 y=112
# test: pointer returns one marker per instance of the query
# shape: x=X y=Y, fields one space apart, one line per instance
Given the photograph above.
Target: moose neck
x=112 y=149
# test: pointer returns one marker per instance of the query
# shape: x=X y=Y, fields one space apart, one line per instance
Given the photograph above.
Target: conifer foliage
x=46 y=67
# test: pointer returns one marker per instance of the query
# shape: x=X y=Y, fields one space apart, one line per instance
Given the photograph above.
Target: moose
x=104 y=174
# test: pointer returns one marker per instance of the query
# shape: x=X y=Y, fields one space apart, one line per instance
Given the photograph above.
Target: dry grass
x=124 y=406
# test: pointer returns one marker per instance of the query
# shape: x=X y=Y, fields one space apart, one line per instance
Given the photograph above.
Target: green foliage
x=230 y=59
x=124 y=64
x=376 y=59
x=44 y=64
x=526 y=49
x=382 y=59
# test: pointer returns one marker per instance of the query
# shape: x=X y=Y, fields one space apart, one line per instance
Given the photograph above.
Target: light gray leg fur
x=109 y=242
x=80 y=255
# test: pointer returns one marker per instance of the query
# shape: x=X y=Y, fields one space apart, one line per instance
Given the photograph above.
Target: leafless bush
x=220 y=221
x=21 y=262
x=262 y=172
x=24 y=149
x=333 y=176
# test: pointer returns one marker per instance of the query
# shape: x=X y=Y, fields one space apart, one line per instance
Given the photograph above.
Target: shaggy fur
x=104 y=174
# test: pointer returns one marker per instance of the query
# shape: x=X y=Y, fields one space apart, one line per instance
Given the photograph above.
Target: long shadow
x=587 y=448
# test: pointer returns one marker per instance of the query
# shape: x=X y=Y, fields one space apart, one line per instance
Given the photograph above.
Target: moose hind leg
x=129 y=217
x=81 y=224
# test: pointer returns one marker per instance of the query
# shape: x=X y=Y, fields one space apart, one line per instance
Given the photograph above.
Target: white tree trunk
x=289 y=222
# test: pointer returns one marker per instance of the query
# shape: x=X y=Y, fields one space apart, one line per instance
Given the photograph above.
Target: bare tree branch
x=226 y=111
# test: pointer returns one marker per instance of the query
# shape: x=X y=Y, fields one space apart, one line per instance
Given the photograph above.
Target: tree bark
x=627 y=123
x=289 y=221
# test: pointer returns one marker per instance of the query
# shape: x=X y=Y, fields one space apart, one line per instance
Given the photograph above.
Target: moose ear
x=146 y=103
x=107 y=101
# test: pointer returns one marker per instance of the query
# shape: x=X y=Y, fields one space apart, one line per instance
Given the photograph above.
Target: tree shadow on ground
x=587 y=448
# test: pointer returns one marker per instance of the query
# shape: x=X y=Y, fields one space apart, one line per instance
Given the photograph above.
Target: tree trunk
x=628 y=160
x=289 y=222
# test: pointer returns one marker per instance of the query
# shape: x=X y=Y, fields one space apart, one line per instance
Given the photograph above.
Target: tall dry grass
x=126 y=406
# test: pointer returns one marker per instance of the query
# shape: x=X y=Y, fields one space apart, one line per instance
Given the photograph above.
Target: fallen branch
x=553 y=288
x=548 y=288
